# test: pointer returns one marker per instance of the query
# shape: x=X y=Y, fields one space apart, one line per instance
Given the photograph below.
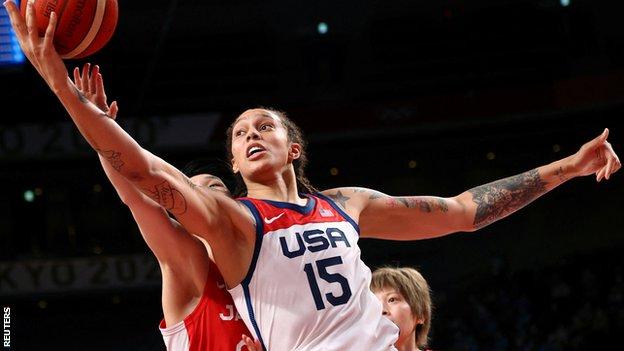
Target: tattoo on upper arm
x=374 y=195
x=340 y=198
x=500 y=198
x=424 y=204
x=168 y=197
x=113 y=157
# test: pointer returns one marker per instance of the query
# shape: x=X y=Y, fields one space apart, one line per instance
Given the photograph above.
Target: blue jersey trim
x=339 y=210
x=252 y=315
x=258 y=245
x=252 y=268
x=301 y=209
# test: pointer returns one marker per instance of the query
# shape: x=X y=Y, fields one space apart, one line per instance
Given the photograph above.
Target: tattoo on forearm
x=560 y=173
x=104 y=114
x=81 y=96
x=500 y=198
x=188 y=181
x=424 y=204
x=340 y=198
x=167 y=197
x=113 y=157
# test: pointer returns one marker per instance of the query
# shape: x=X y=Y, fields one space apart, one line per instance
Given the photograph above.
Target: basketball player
x=405 y=299
x=298 y=281
x=199 y=313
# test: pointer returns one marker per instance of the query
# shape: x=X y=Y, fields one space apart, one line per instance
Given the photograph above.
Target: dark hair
x=215 y=167
x=295 y=135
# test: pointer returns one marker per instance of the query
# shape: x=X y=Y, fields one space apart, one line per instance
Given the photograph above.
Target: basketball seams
x=59 y=13
x=83 y=28
x=87 y=39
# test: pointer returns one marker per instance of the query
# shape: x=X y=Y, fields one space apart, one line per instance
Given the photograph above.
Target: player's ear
x=294 y=152
x=234 y=166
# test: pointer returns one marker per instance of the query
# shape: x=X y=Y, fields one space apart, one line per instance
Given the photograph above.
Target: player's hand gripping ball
x=83 y=26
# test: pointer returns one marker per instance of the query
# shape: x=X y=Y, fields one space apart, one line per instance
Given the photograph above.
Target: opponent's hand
x=251 y=344
x=39 y=51
x=91 y=85
x=596 y=157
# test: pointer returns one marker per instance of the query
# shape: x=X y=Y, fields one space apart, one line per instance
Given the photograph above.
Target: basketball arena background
x=406 y=97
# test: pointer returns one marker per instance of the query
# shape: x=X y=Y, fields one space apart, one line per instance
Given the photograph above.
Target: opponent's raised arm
x=169 y=241
x=154 y=177
x=421 y=217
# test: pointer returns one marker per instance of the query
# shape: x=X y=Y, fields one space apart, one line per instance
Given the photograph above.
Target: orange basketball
x=83 y=26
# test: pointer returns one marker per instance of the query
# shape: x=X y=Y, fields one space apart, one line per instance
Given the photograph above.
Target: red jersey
x=214 y=324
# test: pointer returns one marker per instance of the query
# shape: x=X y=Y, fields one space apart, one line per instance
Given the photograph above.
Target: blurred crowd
x=576 y=305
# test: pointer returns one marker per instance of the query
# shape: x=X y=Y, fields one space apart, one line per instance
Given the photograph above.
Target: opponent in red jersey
x=199 y=314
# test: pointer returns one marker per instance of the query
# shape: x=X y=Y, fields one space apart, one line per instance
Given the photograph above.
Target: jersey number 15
x=321 y=267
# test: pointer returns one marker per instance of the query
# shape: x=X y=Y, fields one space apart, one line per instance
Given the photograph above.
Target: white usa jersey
x=307 y=288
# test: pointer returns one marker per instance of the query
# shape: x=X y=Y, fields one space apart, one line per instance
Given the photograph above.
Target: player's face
x=260 y=145
x=210 y=182
x=396 y=308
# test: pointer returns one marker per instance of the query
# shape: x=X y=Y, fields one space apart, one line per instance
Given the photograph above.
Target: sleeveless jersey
x=307 y=288
x=214 y=324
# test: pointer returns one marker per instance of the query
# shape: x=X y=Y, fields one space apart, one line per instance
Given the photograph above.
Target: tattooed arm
x=224 y=223
x=421 y=217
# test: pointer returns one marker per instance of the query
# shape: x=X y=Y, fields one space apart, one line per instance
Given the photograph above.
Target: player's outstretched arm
x=421 y=217
x=172 y=245
x=201 y=211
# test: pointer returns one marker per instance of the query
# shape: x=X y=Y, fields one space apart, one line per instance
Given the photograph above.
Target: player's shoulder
x=352 y=193
x=352 y=199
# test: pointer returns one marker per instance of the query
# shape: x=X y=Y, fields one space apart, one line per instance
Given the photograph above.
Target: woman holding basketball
x=297 y=279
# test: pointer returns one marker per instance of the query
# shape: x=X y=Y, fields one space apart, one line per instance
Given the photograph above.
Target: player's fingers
x=611 y=152
x=600 y=174
x=599 y=139
x=94 y=79
x=86 y=70
x=48 y=39
x=608 y=168
x=31 y=22
x=77 y=80
x=17 y=21
x=616 y=165
x=99 y=87
x=249 y=343
x=113 y=110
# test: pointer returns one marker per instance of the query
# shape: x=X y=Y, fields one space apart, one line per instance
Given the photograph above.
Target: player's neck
x=408 y=344
x=282 y=187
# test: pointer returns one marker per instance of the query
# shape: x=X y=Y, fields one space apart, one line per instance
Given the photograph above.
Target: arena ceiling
x=440 y=58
